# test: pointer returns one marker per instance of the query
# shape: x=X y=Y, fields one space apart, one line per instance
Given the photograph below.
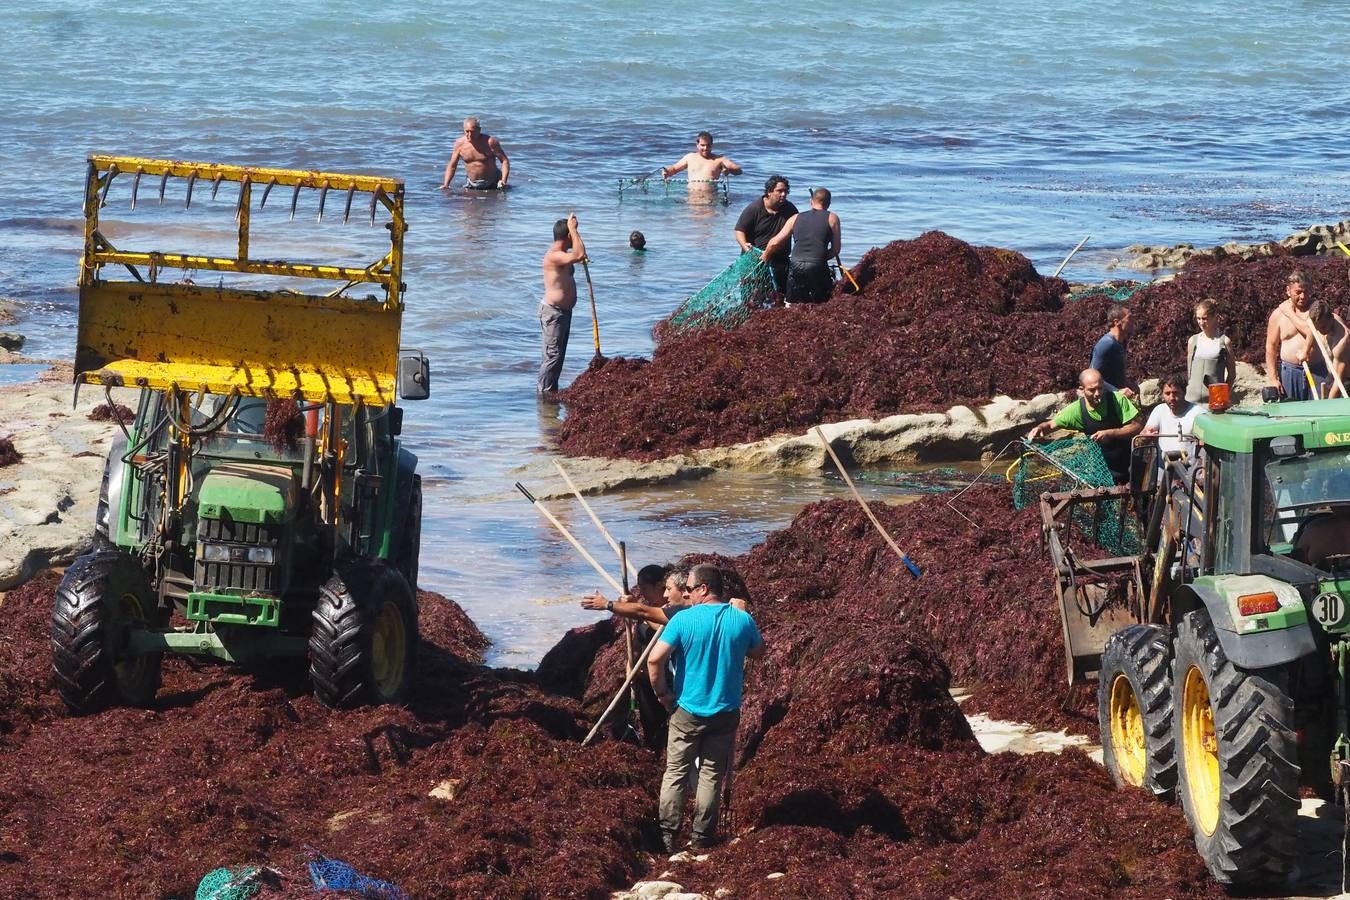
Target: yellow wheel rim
x=389 y=649
x=129 y=610
x=1200 y=745
x=1127 y=732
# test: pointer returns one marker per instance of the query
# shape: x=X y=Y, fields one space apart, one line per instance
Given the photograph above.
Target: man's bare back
x=480 y=154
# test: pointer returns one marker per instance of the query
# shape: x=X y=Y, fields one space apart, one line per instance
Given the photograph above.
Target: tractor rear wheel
x=1238 y=758
x=1134 y=709
x=102 y=596
x=363 y=646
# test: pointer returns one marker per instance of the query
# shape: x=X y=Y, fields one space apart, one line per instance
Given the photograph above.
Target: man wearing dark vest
x=815 y=241
x=1108 y=417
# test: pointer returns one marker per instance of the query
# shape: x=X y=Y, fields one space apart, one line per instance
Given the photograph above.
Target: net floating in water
x=653 y=187
x=729 y=299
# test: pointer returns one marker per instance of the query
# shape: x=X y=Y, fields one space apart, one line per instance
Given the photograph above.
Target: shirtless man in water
x=560 y=295
x=703 y=167
x=480 y=153
x=1287 y=335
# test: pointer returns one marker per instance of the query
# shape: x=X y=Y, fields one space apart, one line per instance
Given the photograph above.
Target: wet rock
x=11 y=341
x=49 y=498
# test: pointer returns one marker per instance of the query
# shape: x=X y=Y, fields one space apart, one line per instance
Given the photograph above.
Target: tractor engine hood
x=248 y=493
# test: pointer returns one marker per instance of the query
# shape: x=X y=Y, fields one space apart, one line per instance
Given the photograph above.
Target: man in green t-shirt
x=1107 y=417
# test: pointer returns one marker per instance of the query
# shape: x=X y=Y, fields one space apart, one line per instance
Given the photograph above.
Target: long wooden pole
x=562 y=529
x=595 y=319
x=623 y=689
x=909 y=564
x=628 y=567
x=1070 y=256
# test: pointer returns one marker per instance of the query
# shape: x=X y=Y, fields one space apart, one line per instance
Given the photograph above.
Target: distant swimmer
x=560 y=295
x=480 y=153
x=703 y=166
x=814 y=236
x=637 y=240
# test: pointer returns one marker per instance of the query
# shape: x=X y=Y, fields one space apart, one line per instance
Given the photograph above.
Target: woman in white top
x=1208 y=354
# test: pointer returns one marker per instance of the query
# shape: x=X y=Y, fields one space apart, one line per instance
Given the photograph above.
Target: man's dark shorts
x=809 y=284
x=482 y=184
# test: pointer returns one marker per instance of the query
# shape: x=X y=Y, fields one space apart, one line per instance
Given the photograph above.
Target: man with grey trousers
x=708 y=642
x=560 y=295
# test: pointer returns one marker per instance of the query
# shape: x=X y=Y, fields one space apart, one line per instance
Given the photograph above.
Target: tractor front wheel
x=101 y=598
x=363 y=646
x=1238 y=758
x=1134 y=709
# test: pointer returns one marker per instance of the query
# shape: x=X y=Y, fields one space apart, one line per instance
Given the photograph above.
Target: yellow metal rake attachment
x=166 y=334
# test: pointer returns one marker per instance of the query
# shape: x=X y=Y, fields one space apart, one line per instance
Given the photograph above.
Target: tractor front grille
x=210 y=575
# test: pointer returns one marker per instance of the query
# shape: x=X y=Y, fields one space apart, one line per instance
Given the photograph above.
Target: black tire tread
x=340 y=639
x=1143 y=654
x=1255 y=840
x=81 y=662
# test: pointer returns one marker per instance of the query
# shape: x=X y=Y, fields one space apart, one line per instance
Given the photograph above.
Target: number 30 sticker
x=1328 y=609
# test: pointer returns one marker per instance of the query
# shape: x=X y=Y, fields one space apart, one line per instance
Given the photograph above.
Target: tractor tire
x=1134 y=709
x=410 y=548
x=1237 y=759
x=363 y=646
x=101 y=595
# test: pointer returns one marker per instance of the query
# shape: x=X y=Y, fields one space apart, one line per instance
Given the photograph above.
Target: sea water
x=1021 y=124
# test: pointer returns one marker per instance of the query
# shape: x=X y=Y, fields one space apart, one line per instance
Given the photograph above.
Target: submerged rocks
x=1319 y=240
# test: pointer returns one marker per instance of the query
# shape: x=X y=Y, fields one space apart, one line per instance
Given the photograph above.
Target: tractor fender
x=407 y=467
x=1250 y=650
x=108 y=516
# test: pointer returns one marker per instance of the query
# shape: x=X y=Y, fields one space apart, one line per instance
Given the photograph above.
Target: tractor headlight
x=215 y=553
x=224 y=553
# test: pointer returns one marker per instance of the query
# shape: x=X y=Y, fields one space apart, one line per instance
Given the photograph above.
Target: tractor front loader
x=1221 y=648
x=260 y=506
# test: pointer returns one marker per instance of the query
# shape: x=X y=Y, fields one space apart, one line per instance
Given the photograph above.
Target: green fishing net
x=729 y=298
x=1075 y=464
x=653 y=187
x=1117 y=294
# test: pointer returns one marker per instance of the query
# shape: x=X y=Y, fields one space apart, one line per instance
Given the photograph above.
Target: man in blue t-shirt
x=1108 y=354
x=708 y=642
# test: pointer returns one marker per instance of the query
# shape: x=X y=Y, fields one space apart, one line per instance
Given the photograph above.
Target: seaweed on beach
x=858 y=775
x=8 y=455
x=937 y=322
x=478 y=787
x=107 y=412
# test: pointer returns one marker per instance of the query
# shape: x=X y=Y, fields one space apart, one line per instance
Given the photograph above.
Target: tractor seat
x=1321 y=537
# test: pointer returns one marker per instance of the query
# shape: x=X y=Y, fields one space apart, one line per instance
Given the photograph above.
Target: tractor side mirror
x=414 y=376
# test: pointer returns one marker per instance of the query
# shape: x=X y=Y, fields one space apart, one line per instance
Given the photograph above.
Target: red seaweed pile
x=107 y=412
x=857 y=774
x=8 y=455
x=938 y=322
x=479 y=787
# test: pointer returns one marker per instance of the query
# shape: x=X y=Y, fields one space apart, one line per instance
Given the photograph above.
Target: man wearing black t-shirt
x=762 y=219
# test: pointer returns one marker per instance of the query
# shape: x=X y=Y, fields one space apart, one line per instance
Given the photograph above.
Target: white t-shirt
x=1171 y=428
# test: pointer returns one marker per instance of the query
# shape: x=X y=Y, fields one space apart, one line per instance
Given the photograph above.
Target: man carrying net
x=1109 y=418
x=764 y=218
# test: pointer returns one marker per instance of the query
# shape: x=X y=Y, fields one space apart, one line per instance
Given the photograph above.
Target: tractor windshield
x=255 y=429
x=1299 y=487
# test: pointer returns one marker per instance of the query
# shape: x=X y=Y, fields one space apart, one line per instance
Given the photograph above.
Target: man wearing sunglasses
x=708 y=643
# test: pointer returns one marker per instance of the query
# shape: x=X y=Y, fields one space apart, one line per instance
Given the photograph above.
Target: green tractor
x=259 y=506
x=1221 y=649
